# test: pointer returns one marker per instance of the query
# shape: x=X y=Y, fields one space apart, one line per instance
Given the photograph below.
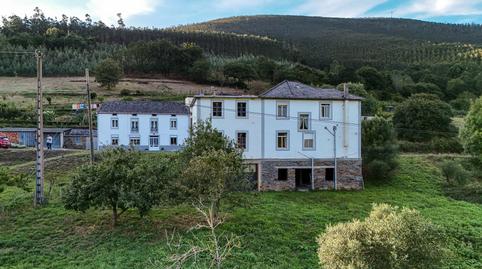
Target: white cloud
x=337 y=8
x=431 y=8
x=105 y=10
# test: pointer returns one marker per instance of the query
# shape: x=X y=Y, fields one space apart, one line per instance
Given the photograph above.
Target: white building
x=145 y=125
x=282 y=132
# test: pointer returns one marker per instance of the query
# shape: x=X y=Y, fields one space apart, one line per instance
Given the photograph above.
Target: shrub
x=471 y=134
x=436 y=145
x=454 y=173
x=379 y=149
x=423 y=116
x=387 y=238
x=125 y=92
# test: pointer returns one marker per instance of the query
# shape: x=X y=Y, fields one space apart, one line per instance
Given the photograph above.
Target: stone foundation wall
x=349 y=174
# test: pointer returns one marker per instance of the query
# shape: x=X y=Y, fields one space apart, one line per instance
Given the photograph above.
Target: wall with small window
x=285 y=129
x=145 y=131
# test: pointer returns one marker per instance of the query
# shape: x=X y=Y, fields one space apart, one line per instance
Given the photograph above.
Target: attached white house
x=145 y=125
x=287 y=134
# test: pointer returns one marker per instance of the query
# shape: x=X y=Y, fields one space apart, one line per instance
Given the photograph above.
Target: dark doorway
x=329 y=174
x=303 y=177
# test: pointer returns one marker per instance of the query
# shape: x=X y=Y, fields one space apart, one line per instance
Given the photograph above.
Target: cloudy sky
x=162 y=13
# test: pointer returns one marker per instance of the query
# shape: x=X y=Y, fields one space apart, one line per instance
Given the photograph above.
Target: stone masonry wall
x=349 y=174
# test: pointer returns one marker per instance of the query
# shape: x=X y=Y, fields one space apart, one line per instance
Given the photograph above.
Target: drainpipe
x=345 y=115
x=334 y=153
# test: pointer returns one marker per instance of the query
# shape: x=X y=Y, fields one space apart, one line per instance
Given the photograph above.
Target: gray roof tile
x=297 y=90
x=143 y=107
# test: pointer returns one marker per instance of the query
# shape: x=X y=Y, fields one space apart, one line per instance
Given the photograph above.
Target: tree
x=121 y=179
x=379 y=149
x=388 y=238
x=374 y=81
x=471 y=133
x=214 y=165
x=455 y=87
x=108 y=73
x=207 y=178
x=423 y=116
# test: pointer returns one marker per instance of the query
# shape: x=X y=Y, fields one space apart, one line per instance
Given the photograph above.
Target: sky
x=165 y=13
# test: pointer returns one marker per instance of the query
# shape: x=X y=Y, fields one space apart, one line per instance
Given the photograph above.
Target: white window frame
x=116 y=137
x=116 y=125
x=282 y=103
x=246 y=139
x=152 y=145
x=171 y=125
x=170 y=140
x=308 y=121
x=287 y=140
x=330 y=108
x=222 y=109
x=132 y=121
x=156 y=121
x=134 y=138
x=246 y=109
x=314 y=141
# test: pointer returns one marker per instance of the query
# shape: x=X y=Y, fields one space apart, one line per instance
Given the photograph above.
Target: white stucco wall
x=106 y=132
x=262 y=118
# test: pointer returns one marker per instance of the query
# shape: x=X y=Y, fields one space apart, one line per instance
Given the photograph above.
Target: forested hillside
x=355 y=42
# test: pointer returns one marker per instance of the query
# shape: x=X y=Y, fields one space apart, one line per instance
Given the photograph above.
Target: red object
x=4 y=142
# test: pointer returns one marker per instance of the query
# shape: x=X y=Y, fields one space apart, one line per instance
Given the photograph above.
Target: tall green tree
x=108 y=73
x=379 y=149
x=471 y=133
x=422 y=117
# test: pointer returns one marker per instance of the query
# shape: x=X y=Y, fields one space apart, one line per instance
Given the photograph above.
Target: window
x=282 y=174
x=114 y=123
x=282 y=140
x=308 y=140
x=154 y=125
x=173 y=140
x=173 y=124
x=77 y=140
x=217 y=108
x=329 y=174
x=325 y=111
x=134 y=125
x=241 y=140
x=303 y=121
x=115 y=141
x=134 y=141
x=153 y=141
x=281 y=110
x=241 y=109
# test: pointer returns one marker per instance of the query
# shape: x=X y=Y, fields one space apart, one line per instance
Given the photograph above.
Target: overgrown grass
x=277 y=229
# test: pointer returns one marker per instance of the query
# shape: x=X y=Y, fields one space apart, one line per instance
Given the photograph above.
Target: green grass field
x=277 y=229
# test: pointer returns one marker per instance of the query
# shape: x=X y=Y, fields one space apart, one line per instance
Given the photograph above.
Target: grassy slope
x=277 y=229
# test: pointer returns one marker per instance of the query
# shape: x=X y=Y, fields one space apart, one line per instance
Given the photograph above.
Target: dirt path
x=48 y=159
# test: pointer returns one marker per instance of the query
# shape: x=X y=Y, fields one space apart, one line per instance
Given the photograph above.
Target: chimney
x=345 y=91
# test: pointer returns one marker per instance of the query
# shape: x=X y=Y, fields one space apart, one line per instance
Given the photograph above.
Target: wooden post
x=89 y=111
x=39 y=165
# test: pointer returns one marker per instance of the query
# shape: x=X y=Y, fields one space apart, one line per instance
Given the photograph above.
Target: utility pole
x=334 y=153
x=39 y=164
x=89 y=111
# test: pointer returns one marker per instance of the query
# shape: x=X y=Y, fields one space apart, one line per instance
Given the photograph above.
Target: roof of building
x=81 y=132
x=28 y=129
x=143 y=107
x=297 y=90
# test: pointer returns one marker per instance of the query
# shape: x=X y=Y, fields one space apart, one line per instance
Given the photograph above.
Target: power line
x=17 y=52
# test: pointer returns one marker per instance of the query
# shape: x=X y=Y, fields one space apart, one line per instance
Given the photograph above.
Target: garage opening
x=329 y=174
x=303 y=177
